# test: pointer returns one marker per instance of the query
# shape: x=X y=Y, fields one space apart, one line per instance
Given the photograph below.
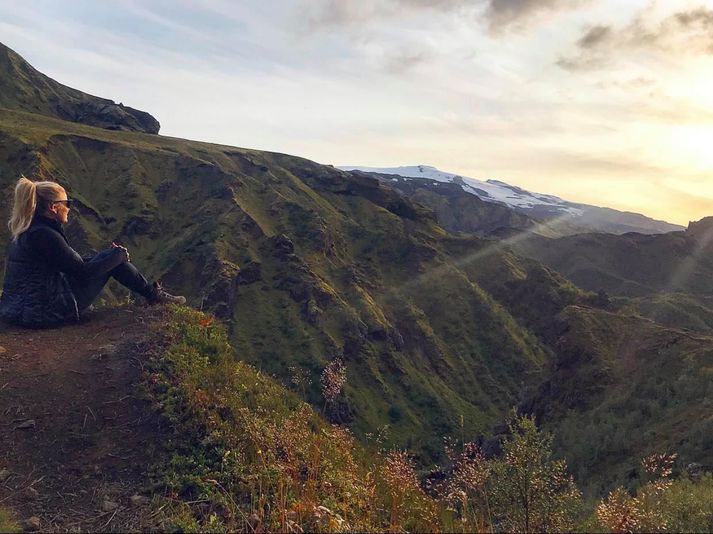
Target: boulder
x=282 y=245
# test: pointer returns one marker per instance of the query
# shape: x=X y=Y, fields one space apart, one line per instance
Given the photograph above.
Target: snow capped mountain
x=489 y=190
x=570 y=217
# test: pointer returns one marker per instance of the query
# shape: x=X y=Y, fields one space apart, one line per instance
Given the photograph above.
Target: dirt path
x=75 y=441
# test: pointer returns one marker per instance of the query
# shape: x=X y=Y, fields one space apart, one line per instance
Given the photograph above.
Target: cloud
x=595 y=36
x=498 y=15
x=506 y=14
x=404 y=60
x=702 y=17
x=686 y=31
x=331 y=14
x=334 y=13
x=582 y=62
x=682 y=33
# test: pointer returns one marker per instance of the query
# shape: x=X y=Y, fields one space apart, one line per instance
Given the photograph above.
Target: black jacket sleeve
x=51 y=247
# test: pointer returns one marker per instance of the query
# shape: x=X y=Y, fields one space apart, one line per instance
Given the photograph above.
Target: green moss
x=7 y=522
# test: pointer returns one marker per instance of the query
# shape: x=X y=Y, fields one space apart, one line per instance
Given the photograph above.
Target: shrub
x=661 y=504
x=531 y=491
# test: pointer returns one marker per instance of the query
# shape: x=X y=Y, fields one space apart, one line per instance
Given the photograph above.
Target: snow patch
x=488 y=190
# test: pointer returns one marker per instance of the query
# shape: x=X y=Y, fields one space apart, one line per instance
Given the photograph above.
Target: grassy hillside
x=248 y=455
x=622 y=387
x=678 y=310
x=305 y=263
x=667 y=278
x=632 y=265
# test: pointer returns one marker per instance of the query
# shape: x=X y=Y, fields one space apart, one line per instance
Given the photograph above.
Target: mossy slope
x=667 y=277
x=623 y=387
x=305 y=263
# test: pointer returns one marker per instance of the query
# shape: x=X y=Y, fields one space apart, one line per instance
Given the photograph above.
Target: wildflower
x=333 y=378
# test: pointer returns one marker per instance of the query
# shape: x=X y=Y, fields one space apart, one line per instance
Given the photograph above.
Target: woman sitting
x=46 y=281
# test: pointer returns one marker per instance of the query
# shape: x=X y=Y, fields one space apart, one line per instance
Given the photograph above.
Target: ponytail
x=23 y=209
x=27 y=195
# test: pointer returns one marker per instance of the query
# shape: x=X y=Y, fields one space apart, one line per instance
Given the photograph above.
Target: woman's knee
x=123 y=269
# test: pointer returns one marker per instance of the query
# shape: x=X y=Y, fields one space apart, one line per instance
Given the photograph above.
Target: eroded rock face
x=282 y=245
x=219 y=280
x=24 y=88
x=109 y=115
x=250 y=273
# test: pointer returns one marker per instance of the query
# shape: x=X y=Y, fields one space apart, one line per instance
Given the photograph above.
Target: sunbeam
x=688 y=264
x=544 y=228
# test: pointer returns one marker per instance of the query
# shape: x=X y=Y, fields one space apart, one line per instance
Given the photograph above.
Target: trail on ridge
x=75 y=439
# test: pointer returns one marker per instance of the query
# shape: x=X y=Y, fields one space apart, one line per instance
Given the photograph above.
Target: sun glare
x=702 y=91
x=692 y=146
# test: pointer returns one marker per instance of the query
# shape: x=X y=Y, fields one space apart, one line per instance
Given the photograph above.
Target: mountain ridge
x=567 y=217
x=24 y=88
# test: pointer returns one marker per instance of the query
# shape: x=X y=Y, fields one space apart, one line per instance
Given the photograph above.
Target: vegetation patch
x=249 y=455
x=7 y=522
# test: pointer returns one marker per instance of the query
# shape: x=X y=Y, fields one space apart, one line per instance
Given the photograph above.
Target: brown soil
x=75 y=438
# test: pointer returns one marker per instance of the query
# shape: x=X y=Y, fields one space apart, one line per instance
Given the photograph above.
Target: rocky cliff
x=23 y=88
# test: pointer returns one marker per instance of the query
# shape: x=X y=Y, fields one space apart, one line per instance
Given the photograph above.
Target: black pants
x=87 y=289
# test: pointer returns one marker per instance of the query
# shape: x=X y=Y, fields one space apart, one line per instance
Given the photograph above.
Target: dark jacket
x=37 y=292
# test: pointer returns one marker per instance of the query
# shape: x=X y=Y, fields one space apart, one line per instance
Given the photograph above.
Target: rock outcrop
x=24 y=88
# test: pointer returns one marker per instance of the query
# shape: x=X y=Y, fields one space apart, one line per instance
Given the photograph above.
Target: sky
x=606 y=102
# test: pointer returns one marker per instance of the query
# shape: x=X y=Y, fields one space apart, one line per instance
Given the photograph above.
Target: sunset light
x=523 y=95
x=356 y=266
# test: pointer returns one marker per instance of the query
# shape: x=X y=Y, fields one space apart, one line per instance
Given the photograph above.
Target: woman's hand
x=114 y=245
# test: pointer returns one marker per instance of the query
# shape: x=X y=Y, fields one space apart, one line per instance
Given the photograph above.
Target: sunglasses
x=69 y=202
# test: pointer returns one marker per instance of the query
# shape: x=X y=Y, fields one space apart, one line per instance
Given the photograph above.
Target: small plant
x=7 y=522
x=333 y=379
x=464 y=491
x=408 y=505
x=300 y=379
x=644 y=512
x=620 y=512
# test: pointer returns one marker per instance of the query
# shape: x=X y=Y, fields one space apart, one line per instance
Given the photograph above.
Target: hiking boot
x=159 y=296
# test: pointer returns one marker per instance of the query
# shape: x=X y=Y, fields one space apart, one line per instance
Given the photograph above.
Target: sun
x=692 y=146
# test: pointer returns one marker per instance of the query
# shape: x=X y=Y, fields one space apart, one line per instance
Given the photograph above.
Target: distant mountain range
x=561 y=217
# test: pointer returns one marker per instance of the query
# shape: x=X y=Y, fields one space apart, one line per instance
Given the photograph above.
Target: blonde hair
x=27 y=196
